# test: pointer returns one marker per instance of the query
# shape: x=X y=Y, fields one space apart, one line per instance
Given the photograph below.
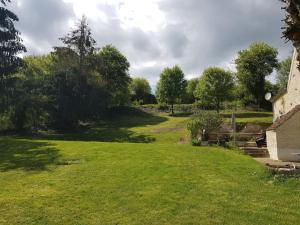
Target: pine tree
x=10 y=42
x=10 y=46
x=80 y=41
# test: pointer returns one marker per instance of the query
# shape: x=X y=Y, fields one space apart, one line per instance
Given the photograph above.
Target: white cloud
x=144 y=15
x=154 y=34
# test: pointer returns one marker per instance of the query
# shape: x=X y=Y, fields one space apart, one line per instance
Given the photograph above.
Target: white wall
x=292 y=98
x=272 y=144
x=288 y=140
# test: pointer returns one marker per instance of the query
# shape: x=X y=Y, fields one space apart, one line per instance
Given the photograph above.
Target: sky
x=154 y=34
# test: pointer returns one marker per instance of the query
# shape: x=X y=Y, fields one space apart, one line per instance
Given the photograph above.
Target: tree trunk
x=172 y=109
x=218 y=107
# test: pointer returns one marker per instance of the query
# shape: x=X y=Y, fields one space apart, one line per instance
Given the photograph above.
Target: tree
x=215 y=86
x=68 y=83
x=114 y=69
x=10 y=46
x=253 y=65
x=29 y=99
x=203 y=121
x=283 y=72
x=190 y=91
x=292 y=20
x=80 y=41
x=140 y=89
x=171 y=86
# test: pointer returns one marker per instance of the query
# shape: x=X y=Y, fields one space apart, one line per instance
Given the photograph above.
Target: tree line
x=246 y=86
x=79 y=81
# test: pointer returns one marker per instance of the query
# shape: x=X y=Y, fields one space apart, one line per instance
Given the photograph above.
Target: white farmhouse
x=283 y=136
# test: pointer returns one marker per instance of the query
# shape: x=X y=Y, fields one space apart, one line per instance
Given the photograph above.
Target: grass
x=137 y=175
x=250 y=117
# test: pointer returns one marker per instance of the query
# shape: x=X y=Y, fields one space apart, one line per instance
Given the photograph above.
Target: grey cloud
x=196 y=34
x=217 y=29
x=137 y=45
x=43 y=22
x=175 y=40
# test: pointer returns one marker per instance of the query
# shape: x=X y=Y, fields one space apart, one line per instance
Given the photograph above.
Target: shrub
x=5 y=122
x=196 y=142
x=163 y=107
x=204 y=120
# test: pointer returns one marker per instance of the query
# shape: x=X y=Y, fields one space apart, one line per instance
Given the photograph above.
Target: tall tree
x=10 y=46
x=140 y=89
x=114 y=69
x=190 y=91
x=283 y=72
x=292 y=29
x=72 y=82
x=215 y=86
x=171 y=86
x=253 y=65
x=80 y=41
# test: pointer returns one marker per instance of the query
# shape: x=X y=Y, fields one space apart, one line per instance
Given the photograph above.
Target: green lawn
x=250 y=117
x=134 y=172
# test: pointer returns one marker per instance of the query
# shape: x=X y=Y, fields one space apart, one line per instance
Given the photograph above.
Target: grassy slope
x=250 y=117
x=92 y=182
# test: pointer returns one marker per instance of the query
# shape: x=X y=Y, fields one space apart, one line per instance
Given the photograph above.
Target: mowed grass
x=123 y=180
x=250 y=117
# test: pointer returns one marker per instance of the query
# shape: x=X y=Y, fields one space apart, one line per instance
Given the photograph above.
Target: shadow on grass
x=121 y=135
x=132 y=118
x=26 y=155
x=114 y=129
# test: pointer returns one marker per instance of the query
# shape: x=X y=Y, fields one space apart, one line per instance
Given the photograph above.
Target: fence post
x=233 y=125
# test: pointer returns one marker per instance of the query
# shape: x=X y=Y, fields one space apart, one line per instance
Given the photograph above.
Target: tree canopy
x=10 y=48
x=215 y=86
x=76 y=82
x=171 y=86
x=283 y=72
x=114 y=69
x=140 y=89
x=292 y=20
x=253 y=65
x=190 y=91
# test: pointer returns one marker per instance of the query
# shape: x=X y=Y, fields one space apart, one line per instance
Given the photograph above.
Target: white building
x=283 y=136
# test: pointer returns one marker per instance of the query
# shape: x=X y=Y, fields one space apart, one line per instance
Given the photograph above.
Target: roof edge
x=283 y=119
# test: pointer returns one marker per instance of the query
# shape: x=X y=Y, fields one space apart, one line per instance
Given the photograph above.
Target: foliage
x=215 y=86
x=76 y=82
x=5 y=122
x=80 y=41
x=204 y=120
x=114 y=69
x=189 y=97
x=29 y=100
x=171 y=86
x=73 y=80
x=271 y=88
x=10 y=46
x=85 y=81
x=253 y=65
x=283 y=72
x=140 y=90
x=292 y=21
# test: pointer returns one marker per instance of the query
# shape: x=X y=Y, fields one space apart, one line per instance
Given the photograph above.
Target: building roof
x=280 y=93
x=281 y=120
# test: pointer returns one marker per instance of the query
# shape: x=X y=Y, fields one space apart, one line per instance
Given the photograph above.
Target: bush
x=163 y=107
x=196 y=142
x=204 y=120
x=5 y=122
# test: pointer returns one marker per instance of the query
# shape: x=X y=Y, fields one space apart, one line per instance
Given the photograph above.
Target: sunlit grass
x=134 y=172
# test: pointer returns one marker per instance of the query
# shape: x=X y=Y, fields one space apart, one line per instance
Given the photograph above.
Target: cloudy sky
x=154 y=34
